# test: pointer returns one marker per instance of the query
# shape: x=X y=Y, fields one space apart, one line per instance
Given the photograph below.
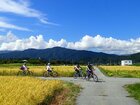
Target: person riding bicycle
x=90 y=69
x=24 y=68
x=78 y=70
x=49 y=71
x=90 y=73
x=48 y=68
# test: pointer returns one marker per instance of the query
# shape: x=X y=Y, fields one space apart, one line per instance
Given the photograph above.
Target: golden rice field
x=27 y=90
x=64 y=71
x=121 y=71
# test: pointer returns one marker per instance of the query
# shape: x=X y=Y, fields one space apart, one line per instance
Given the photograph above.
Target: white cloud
x=96 y=43
x=22 y=7
x=53 y=43
x=107 y=45
x=21 y=44
x=9 y=37
x=4 y=24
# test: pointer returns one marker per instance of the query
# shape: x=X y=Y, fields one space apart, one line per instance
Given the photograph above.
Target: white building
x=126 y=62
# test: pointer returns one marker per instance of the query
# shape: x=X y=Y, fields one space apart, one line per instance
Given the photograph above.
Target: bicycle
x=25 y=72
x=78 y=74
x=90 y=75
x=50 y=74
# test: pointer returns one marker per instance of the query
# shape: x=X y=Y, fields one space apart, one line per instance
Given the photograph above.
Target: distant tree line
x=31 y=61
x=60 y=62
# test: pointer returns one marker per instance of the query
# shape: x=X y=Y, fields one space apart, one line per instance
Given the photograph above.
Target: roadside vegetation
x=34 y=91
x=134 y=90
x=121 y=71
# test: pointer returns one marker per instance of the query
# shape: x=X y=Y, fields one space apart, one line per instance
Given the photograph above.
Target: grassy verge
x=121 y=73
x=68 y=95
x=134 y=90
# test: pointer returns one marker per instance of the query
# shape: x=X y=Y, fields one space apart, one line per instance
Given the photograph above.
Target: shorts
x=49 y=70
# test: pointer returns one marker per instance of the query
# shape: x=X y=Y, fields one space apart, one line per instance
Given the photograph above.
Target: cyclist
x=24 y=68
x=90 y=69
x=78 y=70
x=48 y=68
x=49 y=71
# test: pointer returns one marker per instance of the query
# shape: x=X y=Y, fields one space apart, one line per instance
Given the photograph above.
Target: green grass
x=136 y=64
x=134 y=90
x=121 y=73
x=71 y=92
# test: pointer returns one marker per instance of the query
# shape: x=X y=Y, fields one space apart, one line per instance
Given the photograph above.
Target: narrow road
x=108 y=91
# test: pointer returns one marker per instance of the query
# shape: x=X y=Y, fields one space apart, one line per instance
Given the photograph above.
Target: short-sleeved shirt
x=77 y=68
x=48 y=67
x=90 y=67
x=25 y=67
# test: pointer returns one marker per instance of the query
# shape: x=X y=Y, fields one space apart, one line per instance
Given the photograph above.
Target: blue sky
x=71 y=22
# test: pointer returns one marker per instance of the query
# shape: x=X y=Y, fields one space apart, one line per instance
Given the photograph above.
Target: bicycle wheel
x=95 y=78
x=88 y=77
x=54 y=74
x=30 y=73
x=75 y=75
x=45 y=74
x=21 y=73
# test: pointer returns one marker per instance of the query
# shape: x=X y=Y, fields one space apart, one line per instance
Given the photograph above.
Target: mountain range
x=70 y=55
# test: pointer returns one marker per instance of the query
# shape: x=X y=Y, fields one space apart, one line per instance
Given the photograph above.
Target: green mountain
x=69 y=55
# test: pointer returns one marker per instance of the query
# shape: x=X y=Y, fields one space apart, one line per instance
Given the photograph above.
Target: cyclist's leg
x=50 y=73
x=45 y=73
x=24 y=72
x=95 y=77
x=92 y=73
x=81 y=73
x=89 y=73
x=29 y=72
x=76 y=74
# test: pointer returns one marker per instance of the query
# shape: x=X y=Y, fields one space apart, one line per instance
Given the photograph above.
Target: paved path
x=108 y=91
